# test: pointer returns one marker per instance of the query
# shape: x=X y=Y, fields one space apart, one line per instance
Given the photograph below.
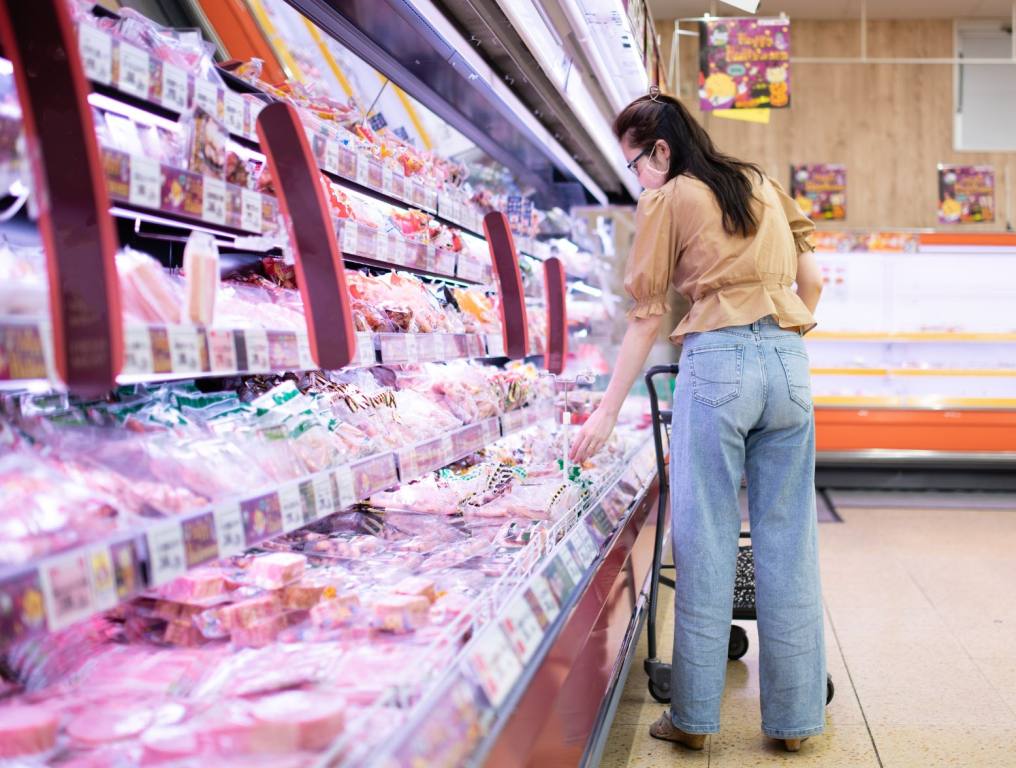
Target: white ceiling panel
x=843 y=9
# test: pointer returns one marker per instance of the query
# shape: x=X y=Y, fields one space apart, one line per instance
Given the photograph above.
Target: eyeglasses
x=633 y=165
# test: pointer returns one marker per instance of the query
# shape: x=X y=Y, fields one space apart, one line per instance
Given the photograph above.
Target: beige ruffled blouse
x=729 y=280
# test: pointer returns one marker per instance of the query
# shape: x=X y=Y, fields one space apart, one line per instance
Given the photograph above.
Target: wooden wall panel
x=890 y=124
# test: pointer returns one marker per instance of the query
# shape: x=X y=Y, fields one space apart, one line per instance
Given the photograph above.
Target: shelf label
x=250 y=211
x=292 y=507
x=324 y=498
x=495 y=345
x=145 y=186
x=495 y=664
x=229 y=529
x=66 y=590
x=303 y=351
x=586 y=547
x=134 y=76
x=331 y=156
x=167 y=557
x=430 y=346
x=382 y=245
x=103 y=576
x=137 y=350
x=365 y=348
x=409 y=464
x=397 y=250
x=573 y=560
x=541 y=599
x=185 y=343
x=412 y=350
x=522 y=628
x=96 y=53
x=213 y=200
x=362 y=170
x=257 y=350
x=206 y=96
x=199 y=539
x=232 y=104
x=448 y=451
x=174 y=87
x=350 y=237
x=562 y=576
x=386 y=180
x=347 y=162
x=221 y=350
x=347 y=489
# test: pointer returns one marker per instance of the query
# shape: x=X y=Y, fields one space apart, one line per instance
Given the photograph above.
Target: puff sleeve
x=800 y=225
x=653 y=254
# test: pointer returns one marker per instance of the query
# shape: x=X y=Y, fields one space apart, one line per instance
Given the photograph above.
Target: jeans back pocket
x=798 y=371
x=716 y=373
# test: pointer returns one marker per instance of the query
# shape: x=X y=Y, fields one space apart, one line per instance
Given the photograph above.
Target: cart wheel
x=830 y=689
x=738 y=645
x=660 y=693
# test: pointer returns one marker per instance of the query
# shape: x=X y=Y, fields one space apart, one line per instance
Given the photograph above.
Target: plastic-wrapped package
x=23 y=290
x=146 y=292
x=207 y=145
x=201 y=271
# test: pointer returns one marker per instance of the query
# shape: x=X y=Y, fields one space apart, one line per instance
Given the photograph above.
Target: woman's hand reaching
x=593 y=435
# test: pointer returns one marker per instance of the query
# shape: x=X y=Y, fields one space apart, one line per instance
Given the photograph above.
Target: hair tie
x=654 y=92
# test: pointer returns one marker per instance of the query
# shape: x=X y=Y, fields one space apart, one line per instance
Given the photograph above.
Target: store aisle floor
x=921 y=637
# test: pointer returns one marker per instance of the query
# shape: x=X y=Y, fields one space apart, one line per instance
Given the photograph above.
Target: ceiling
x=842 y=9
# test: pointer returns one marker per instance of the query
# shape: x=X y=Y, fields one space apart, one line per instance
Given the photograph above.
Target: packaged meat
x=418 y=586
x=208 y=139
x=247 y=612
x=277 y=569
x=401 y=613
x=315 y=717
x=201 y=272
x=147 y=294
x=335 y=612
x=26 y=730
x=104 y=724
x=304 y=596
x=195 y=586
x=259 y=633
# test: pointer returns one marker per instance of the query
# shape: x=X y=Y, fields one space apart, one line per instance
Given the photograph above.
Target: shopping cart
x=744 y=583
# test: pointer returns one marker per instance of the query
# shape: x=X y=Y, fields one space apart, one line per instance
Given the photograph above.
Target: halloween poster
x=966 y=194
x=820 y=190
x=744 y=64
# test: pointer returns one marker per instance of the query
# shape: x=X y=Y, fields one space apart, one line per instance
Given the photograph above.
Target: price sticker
x=213 y=200
x=145 y=189
x=232 y=107
x=174 y=87
x=324 y=499
x=66 y=590
x=221 y=350
x=185 y=349
x=134 y=75
x=523 y=630
x=137 y=350
x=257 y=350
x=103 y=578
x=387 y=182
x=167 y=557
x=206 y=96
x=229 y=529
x=250 y=211
x=362 y=170
x=495 y=664
x=347 y=488
x=331 y=156
x=292 y=507
x=96 y=53
x=350 y=237
x=539 y=588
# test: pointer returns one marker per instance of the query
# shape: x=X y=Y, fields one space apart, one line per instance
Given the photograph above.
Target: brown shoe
x=664 y=729
x=793 y=745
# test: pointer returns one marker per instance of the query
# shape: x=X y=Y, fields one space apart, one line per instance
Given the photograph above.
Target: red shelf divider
x=557 y=315
x=505 y=259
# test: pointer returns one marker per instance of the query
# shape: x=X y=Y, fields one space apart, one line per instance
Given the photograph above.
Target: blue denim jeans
x=742 y=406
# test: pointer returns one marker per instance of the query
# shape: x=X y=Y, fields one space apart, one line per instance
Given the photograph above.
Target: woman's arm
x=638 y=340
x=809 y=280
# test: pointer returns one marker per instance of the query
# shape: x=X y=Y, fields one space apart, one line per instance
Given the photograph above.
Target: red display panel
x=505 y=259
x=319 y=267
x=557 y=315
x=74 y=221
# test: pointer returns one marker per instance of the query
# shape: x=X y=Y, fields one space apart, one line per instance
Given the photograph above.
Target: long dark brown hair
x=656 y=116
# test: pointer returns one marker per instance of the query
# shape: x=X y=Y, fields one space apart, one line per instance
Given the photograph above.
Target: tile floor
x=921 y=635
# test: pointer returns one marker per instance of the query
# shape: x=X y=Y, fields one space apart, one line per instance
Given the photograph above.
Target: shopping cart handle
x=659 y=370
x=665 y=417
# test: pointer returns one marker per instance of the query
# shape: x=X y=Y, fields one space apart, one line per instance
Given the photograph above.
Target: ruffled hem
x=804 y=243
x=744 y=304
x=651 y=307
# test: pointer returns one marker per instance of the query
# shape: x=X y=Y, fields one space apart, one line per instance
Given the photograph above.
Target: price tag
x=232 y=107
x=523 y=630
x=134 y=78
x=213 y=200
x=174 y=87
x=585 y=546
x=331 y=156
x=303 y=351
x=145 y=188
x=362 y=170
x=495 y=664
x=324 y=500
x=409 y=464
x=387 y=183
x=491 y=431
x=250 y=210
x=229 y=529
x=206 y=96
x=430 y=346
x=292 y=507
x=448 y=452
x=544 y=597
x=365 y=348
x=397 y=250
x=383 y=246
x=412 y=351
x=185 y=349
x=257 y=350
x=66 y=590
x=96 y=54
x=350 y=237
x=347 y=489
x=137 y=350
x=103 y=578
x=167 y=557
x=566 y=559
x=221 y=350
x=495 y=345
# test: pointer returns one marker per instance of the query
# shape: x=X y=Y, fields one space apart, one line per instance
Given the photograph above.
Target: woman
x=731 y=241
